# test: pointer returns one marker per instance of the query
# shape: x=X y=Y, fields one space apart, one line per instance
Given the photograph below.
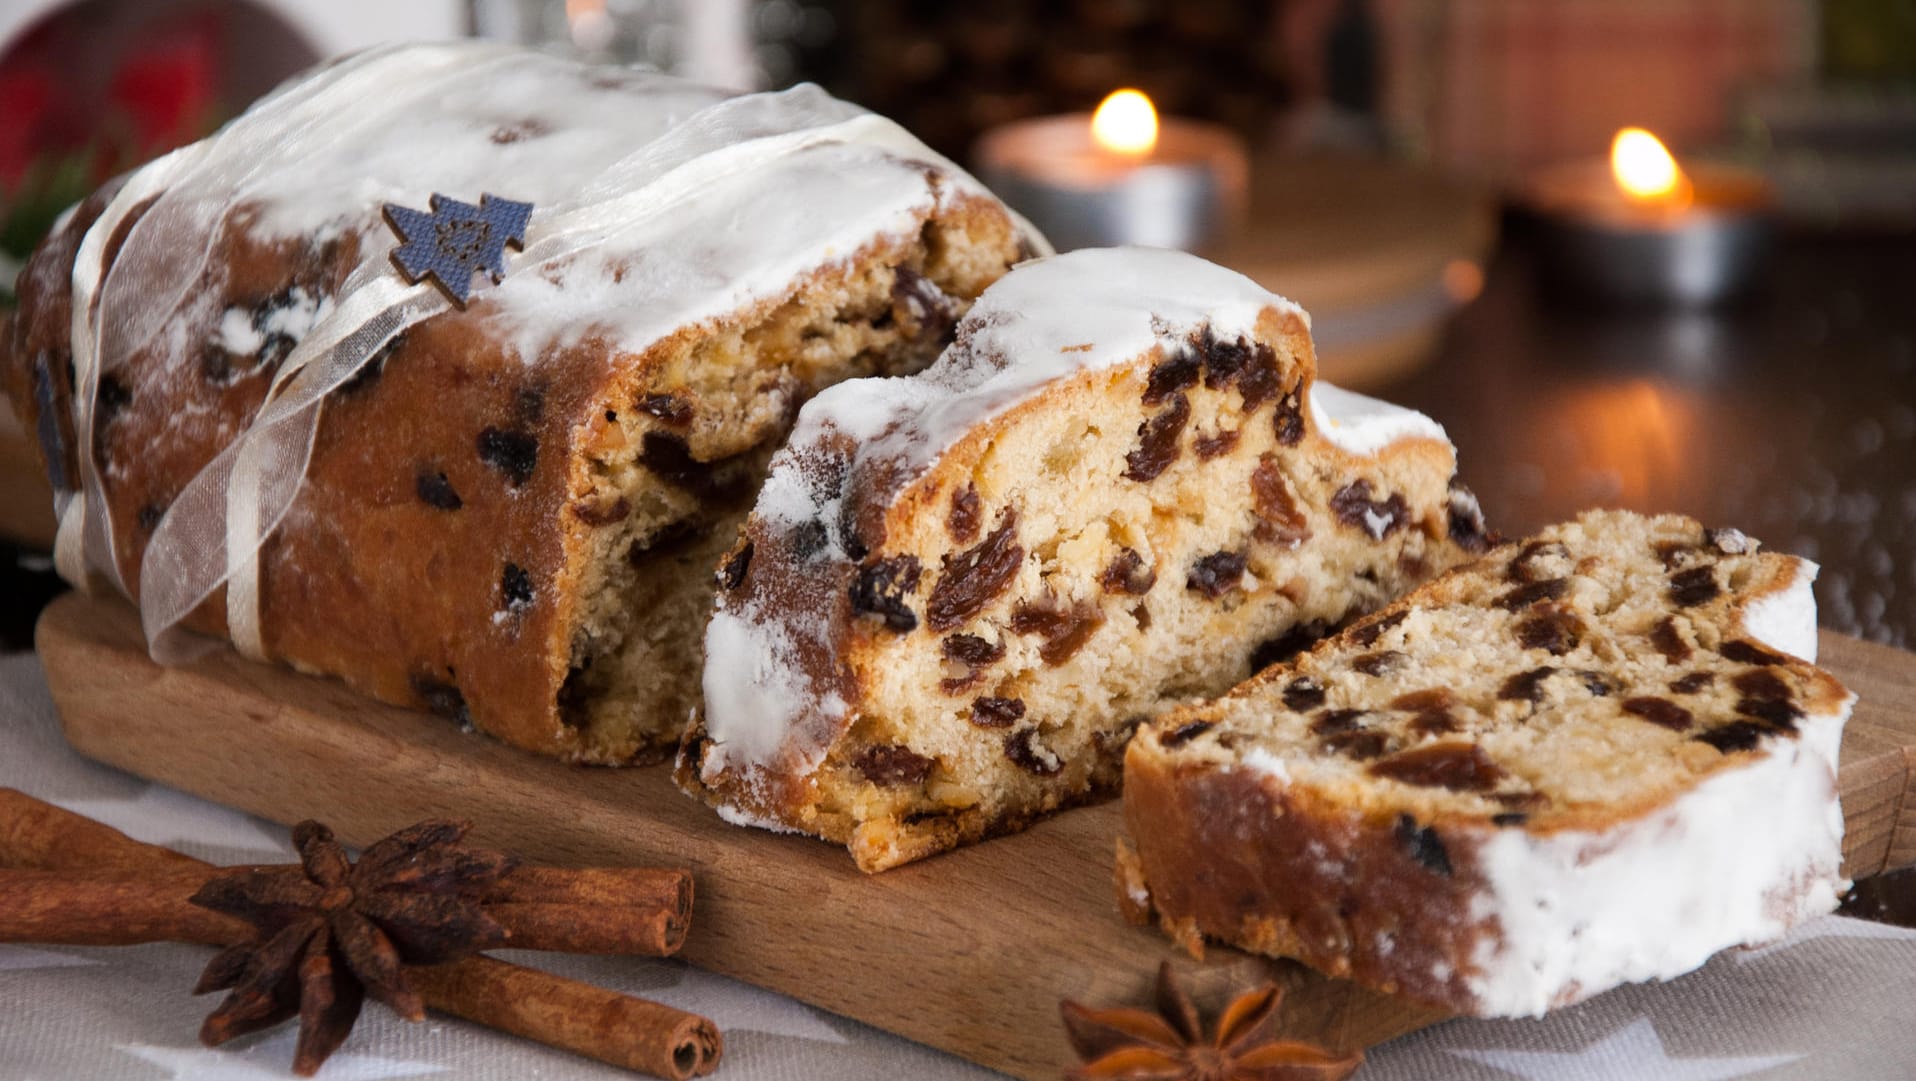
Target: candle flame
x=1126 y=123
x=1645 y=171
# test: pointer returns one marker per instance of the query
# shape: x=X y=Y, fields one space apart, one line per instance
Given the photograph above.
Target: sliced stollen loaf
x=509 y=508
x=959 y=592
x=1593 y=757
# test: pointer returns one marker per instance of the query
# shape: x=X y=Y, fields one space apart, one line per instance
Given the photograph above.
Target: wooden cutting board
x=969 y=952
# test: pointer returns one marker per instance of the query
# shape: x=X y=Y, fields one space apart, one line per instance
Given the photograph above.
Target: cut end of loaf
x=1533 y=779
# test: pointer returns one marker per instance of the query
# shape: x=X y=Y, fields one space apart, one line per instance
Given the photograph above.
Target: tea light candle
x=1641 y=227
x=1119 y=176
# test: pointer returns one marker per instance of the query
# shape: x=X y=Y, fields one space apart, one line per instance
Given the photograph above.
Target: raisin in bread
x=1594 y=757
x=511 y=510
x=959 y=592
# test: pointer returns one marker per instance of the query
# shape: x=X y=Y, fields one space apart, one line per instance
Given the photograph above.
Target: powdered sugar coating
x=1786 y=620
x=464 y=118
x=1365 y=425
x=1745 y=856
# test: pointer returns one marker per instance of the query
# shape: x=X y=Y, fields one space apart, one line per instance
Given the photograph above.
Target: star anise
x=331 y=932
x=1170 y=1045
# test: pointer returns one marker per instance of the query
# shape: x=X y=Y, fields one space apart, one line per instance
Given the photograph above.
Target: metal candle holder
x=1186 y=192
x=1596 y=242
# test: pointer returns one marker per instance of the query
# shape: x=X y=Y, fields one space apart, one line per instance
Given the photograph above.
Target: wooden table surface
x=1791 y=415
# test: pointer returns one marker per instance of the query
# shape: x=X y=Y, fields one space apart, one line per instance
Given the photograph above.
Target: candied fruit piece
x=1669 y=641
x=1422 y=844
x=1466 y=520
x=1746 y=652
x=1217 y=574
x=1735 y=736
x=515 y=588
x=1303 y=694
x=1453 y=765
x=892 y=765
x=965 y=516
x=976 y=576
x=1210 y=446
x=1522 y=597
x=732 y=574
x=435 y=490
x=881 y=587
x=1526 y=565
x=1289 y=420
x=1761 y=683
x=1780 y=713
x=1064 y=630
x=1692 y=683
x=1128 y=573
x=670 y=408
x=992 y=712
x=1659 y=711
x=1368 y=632
x=1694 y=586
x=1158 y=442
x=1259 y=382
x=1185 y=733
x=1224 y=358
x=1380 y=662
x=1171 y=375
x=1362 y=743
x=972 y=650
x=516 y=454
x=1525 y=686
x=1550 y=629
x=1418 y=701
x=1353 y=506
x=1029 y=752
x=1280 y=521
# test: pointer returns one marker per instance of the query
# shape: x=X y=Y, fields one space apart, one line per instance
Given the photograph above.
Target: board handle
x=1879 y=815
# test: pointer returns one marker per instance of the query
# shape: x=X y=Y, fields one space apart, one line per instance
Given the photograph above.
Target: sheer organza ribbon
x=212 y=532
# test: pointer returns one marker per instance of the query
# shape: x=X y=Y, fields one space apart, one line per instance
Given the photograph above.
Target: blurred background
x=1432 y=178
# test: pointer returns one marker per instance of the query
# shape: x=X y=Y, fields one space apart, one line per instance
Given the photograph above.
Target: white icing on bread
x=1786 y=618
x=1366 y=425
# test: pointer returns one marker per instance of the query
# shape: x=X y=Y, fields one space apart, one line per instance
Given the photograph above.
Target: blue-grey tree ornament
x=456 y=240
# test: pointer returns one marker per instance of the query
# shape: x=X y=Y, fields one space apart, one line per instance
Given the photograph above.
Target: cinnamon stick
x=34 y=833
x=116 y=907
x=123 y=907
x=545 y=908
x=549 y=908
x=624 y=1031
x=605 y=1025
